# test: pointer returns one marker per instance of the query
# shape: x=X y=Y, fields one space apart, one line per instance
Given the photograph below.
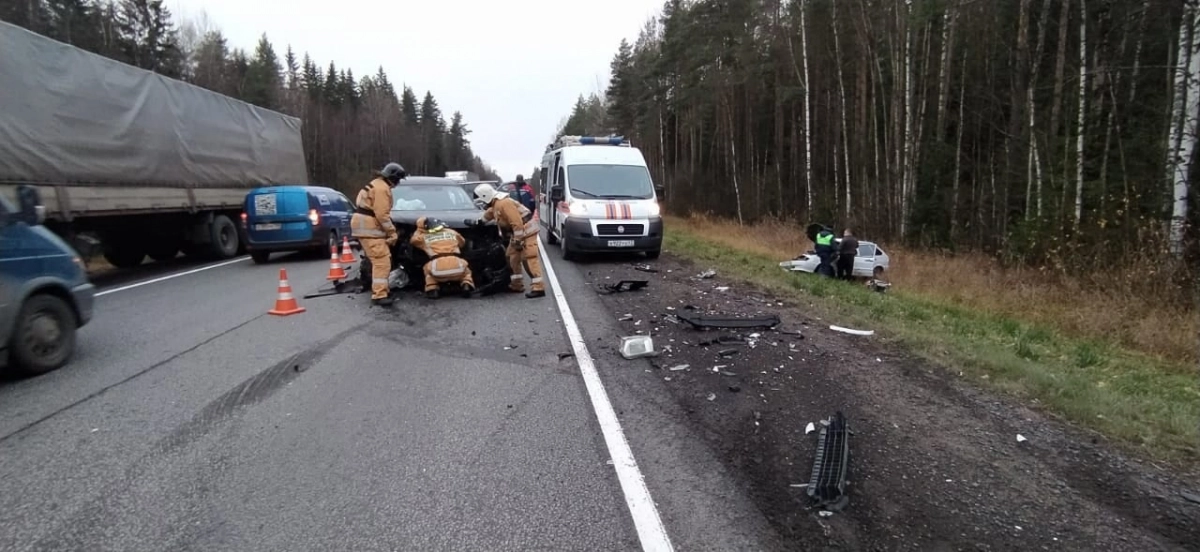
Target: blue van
x=294 y=218
x=45 y=294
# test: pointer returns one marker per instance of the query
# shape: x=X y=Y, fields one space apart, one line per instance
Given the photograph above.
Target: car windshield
x=431 y=198
x=610 y=181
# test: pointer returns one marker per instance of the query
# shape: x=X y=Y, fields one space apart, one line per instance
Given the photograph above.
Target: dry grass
x=1107 y=307
x=1011 y=331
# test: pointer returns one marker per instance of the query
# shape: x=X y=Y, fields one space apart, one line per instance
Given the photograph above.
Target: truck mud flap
x=827 y=486
x=709 y=322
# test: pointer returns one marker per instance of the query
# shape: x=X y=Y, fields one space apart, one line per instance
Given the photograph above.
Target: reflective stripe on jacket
x=375 y=198
x=512 y=217
x=443 y=242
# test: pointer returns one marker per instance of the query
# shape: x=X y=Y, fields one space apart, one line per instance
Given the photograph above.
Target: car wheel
x=45 y=335
x=653 y=254
x=260 y=257
x=878 y=273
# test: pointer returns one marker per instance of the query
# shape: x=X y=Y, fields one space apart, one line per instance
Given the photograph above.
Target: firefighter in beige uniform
x=373 y=228
x=515 y=222
x=444 y=247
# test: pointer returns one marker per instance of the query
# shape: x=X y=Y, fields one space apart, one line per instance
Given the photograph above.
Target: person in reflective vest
x=372 y=226
x=517 y=224
x=825 y=251
x=444 y=247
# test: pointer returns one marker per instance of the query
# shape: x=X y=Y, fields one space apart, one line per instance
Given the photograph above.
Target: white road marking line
x=646 y=520
x=171 y=276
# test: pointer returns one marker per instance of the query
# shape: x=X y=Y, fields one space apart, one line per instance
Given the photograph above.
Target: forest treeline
x=351 y=124
x=1049 y=131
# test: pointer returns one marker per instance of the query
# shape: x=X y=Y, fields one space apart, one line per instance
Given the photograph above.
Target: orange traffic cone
x=286 y=303
x=335 y=268
x=347 y=256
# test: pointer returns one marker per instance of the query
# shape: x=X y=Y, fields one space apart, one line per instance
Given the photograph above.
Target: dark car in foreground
x=448 y=201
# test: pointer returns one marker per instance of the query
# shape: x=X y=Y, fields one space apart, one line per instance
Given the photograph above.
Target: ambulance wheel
x=550 y=239
x=567 y=254
x=653 y=254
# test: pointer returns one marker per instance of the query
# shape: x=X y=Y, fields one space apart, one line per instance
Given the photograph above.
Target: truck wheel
x=126 y=254
x=163 y=250
x=45 y=335
x=224 y=237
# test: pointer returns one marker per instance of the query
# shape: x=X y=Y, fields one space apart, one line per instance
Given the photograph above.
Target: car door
x=344 y=214
x=864 y=261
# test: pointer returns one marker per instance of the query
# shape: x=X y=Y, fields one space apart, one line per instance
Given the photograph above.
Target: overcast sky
x=513 y=68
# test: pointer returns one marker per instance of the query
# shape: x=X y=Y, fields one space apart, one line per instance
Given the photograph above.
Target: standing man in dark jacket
x=846 y=252
x=524 y=194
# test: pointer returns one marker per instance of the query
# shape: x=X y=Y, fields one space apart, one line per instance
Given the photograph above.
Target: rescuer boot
x=432 y=294
x=535 y=293
x=384 y=301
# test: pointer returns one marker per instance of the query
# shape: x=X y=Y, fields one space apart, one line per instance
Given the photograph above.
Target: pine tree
x=292 y=66
x=263 y=79
x=408 y=107
x=212 y=64
x=75 y=22
x=149 y=38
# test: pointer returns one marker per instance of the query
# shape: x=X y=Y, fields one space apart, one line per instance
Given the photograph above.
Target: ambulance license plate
x=268 y=226
x=620 y=243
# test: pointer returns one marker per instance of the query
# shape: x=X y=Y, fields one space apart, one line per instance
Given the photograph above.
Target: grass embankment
x=1019 y=333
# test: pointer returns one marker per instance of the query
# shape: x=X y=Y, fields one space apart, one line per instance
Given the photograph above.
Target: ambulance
x=598 y=197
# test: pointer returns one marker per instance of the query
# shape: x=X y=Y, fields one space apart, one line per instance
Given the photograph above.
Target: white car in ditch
x=870 y=262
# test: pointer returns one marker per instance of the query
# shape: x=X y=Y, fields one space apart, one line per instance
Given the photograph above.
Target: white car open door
x=864 y=261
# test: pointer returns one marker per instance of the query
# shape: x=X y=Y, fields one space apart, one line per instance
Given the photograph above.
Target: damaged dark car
x=446 y=200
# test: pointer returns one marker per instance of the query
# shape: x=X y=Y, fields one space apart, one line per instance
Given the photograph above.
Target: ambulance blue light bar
x=610 y=140
x=565 y=141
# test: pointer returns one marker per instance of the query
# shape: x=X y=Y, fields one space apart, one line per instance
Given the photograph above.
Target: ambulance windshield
x=609 y=182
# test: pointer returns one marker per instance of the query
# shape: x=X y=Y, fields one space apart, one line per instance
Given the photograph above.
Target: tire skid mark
x=251 y=391
x=86 y=528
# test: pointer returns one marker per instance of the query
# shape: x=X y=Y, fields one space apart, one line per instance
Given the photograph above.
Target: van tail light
x=314 y=217
x=244 y=218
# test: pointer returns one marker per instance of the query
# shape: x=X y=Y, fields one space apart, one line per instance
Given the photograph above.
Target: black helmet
x=393 y=172
x=434 y=225
x=520 y=179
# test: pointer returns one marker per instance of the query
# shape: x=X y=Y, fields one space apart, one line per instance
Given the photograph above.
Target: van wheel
x=224 y=237
x=260 y=257
x=567 y=254
x=653 y=254
x=45 y=335
x=550 y=239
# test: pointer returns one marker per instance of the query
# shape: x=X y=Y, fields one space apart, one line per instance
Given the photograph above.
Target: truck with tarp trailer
x=145 y=164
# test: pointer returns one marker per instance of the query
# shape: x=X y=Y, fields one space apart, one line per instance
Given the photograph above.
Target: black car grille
x=611 y=229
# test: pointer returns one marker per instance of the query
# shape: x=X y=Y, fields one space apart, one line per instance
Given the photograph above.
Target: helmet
x=421 y=223
x=486 y=193
x=393 y=172
x=434 y=225
x=520 y=179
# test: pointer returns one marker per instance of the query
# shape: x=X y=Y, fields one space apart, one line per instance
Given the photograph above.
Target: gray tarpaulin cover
x=68 y=116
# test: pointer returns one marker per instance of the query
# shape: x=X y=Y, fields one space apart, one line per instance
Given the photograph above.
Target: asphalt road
x=192 y=420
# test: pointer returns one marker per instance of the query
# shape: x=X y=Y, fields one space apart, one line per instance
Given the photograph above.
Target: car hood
x=454 y=219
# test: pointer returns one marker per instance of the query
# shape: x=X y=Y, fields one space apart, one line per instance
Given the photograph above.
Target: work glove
x=519 y=245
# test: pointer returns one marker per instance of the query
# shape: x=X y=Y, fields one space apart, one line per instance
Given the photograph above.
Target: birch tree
x=1185 y=110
